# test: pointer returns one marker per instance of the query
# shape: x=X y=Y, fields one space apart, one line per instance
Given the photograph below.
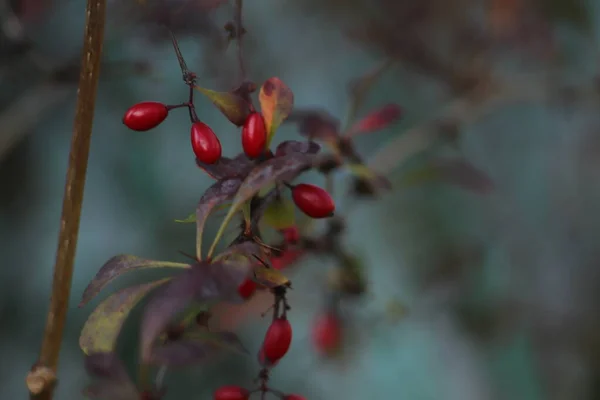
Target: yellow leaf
x=280 y=214
x=276 y=104
x=233 y=106
x=102 y=328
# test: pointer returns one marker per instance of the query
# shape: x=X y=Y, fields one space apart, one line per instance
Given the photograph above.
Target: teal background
x=534 y=287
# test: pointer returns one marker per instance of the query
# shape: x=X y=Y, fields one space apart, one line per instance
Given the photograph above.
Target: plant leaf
x=368 y=182
x=118 y=265
x=245 y=249
x=228 y=167
x=359 y=87
x=203 y=282
x=268 y=173
x=215 y=195
x=111 y=391
x=223 y=340
x=280 y=214
x=187 y=220
x=276 y=104
x=316 y=124
x=456 y=172
x=105 y=365
x=195 y=347
x=376 y=120
x=270 y=277
x=294 y=146
x=233 y=106
x=101 y=330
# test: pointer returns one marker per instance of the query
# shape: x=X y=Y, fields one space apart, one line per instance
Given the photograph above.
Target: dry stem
x=41 y=380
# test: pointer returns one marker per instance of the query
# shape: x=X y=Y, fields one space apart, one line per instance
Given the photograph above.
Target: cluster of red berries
x=276 y=343
x=310 y=199
x=205 y=143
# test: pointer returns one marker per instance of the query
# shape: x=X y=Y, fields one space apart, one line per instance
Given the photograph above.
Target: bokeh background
x=502 y=289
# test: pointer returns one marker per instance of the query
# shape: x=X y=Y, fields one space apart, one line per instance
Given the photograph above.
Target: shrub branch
x=41 y=380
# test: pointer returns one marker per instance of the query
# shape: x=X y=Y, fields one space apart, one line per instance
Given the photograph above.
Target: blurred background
x=502 y=290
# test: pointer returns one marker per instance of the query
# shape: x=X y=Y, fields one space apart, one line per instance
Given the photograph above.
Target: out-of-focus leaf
x=573 y=12
x=316 y=124
x=202 y=283
x=233 y=106
x=105 y=365
x=101 y=330
x=280 y=214
x=376 y=120
x=111 y=391
x=187 y=220
x=228 y=167
x=358 y=88
x=294 y=146
x=367 y=181
x=276 y=104
x=456 y=172
x=119 y=265
x=268 y=173
x=269 y=277
x=111 y=381
x=218 y=193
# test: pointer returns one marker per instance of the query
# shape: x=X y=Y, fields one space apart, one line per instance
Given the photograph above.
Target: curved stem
x=41 y=380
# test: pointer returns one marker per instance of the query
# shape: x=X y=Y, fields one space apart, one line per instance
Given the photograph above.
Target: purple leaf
x=245 y=249
x=105 y=365
x=203 y=282
x=196 y=347
x=228 y=167
x=111 y=391
x=294 y=146
x=119 y=265
x=104 y=324
x=215 y=195
x=377 y=120
x=316 y=124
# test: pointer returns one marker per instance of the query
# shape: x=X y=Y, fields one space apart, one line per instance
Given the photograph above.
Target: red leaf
x=377 y=120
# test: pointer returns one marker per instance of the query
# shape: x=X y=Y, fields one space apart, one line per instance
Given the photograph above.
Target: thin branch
x=42 y=378
x=239 y=29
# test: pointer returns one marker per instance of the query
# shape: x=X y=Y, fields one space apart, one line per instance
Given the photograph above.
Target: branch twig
x=42 y=378
x=239 y=29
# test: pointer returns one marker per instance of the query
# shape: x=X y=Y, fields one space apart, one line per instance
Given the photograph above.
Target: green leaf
x=284 y=168
x=102 y=328
x=119 y=265
x=573 y=12
x=270 y=277
x=280 y=214
x=187 y=220
x=276 y=104
x=233 y=106
x=215 y=195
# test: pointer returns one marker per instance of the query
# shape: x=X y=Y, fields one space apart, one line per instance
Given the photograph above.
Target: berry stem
x=174 y=106
x=42 y=378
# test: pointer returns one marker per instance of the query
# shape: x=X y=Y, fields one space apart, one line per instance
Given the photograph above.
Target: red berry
x=254 y=135
x=277 y=339
x=247 y=288
x=231 y=393
x=205 y=143
x=262 y=360
x=291 y=235
x=288 y=257
x=327 y=333
x=313 y=201
x=294 y=397
x=145 y=116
